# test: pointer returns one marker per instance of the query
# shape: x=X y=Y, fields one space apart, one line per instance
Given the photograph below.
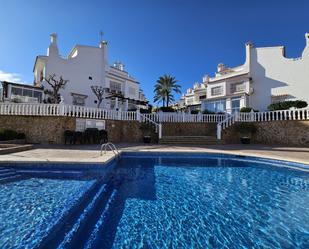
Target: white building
x=87 y=66
x=266 y=77
x=20 y=93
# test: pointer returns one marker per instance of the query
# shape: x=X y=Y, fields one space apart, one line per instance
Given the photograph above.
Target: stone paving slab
x=59 y=155
x=91 y=153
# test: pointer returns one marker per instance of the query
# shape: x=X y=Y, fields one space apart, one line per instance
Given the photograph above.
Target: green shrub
x=167 y=109
x=7 y=134
x=147 y=128
x=245 y=128
x=145 y=111
x=195 y=111
x=207 y=112
x=247 y=109
x=285 y=105
x=300 y=104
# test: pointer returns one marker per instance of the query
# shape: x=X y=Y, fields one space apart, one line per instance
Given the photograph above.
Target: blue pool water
x=158 y=201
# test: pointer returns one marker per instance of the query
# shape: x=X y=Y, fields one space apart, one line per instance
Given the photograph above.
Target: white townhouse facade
x=87 y=66
x=266 y=77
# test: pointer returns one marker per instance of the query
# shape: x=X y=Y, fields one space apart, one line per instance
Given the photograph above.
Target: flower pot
x=147 y=139
x=245 y=140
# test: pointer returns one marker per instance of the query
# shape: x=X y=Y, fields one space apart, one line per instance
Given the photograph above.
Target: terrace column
x=228 y=105
x=116 y=104
x=126 y=107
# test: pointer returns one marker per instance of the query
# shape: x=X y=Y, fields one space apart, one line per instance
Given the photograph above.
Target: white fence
x=97 y=113
x=181 y=117
x=296 y=114
x=64 y=110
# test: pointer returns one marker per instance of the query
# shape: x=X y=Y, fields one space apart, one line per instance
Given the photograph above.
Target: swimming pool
x=157 y=200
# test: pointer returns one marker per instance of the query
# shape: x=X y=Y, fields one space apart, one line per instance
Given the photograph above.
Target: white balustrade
x=281 y=115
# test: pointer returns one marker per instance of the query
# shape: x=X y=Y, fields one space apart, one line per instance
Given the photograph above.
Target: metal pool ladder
x=111 y=146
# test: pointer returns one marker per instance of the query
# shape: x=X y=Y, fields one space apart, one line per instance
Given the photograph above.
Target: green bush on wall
x=208 y=112
x=167 y=109
x=285 y=105
x=7 y=134
x=247 y=109
x=195 y=111
x=245 y=128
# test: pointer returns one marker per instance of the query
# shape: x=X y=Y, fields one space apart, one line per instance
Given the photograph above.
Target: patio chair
x=91 y=135
x=68 y=136
x=78 y=137
x=103 y=138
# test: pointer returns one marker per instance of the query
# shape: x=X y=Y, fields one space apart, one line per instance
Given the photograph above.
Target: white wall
x=88 y=62
x=83 y=62
x=274 y=74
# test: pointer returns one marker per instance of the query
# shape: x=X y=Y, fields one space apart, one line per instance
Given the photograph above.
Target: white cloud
x=12 y=77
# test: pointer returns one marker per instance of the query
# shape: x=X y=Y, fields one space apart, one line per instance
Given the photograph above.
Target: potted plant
x=245 y=130
x=147 y=130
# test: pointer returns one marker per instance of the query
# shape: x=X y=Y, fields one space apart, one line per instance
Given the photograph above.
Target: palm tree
x=164 y=89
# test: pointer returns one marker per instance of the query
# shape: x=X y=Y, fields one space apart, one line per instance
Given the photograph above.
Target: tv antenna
x=101 y=34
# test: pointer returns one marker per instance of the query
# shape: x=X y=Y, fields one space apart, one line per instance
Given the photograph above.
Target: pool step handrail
x=111 y=146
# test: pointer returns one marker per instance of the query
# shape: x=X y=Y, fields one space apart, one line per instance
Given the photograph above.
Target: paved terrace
x=91 y=153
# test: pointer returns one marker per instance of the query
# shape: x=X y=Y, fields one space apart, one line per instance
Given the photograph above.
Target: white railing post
x=138 y=115
x=219 y=130
x=252 y=116
x=160 y=131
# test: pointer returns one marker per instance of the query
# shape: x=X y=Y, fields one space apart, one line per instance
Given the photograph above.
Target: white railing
x=25 y=109
x=295 y=114
x=181 y=117
x=32 y=109
x=158 y=126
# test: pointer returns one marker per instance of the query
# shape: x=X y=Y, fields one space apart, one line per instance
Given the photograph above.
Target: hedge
x=285 y=105
x=7 y=134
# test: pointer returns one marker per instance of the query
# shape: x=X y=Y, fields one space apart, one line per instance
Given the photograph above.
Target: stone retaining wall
x=189 y=129
x=124 y=131
x=291 y=132
x=50 y=130
x=39 y=129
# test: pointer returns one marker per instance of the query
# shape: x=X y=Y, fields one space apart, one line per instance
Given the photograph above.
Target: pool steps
x=9 y=175
x=89 y=229
x=69 y=236
x=94 y=239
x=83 y=219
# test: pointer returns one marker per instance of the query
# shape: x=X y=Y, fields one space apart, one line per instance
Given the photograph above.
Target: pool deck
x=91 y=153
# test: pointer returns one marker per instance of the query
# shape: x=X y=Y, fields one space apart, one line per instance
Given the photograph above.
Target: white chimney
x=53 y=48
x=103 y=46
x=205 y=78
x=220 y=67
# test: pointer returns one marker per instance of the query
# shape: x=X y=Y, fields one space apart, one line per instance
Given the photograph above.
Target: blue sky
x=184 y=38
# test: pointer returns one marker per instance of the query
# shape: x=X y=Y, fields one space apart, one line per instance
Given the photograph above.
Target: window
x=238 y=87
x=79 y=99
x=235 y=103
x=27 y=92
x=218 y=90
x=115 y=86
x=190 y=101
x=16 y=91
x=90 y=78
x=216 y=106
x=202 y=97
x=37 y=95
